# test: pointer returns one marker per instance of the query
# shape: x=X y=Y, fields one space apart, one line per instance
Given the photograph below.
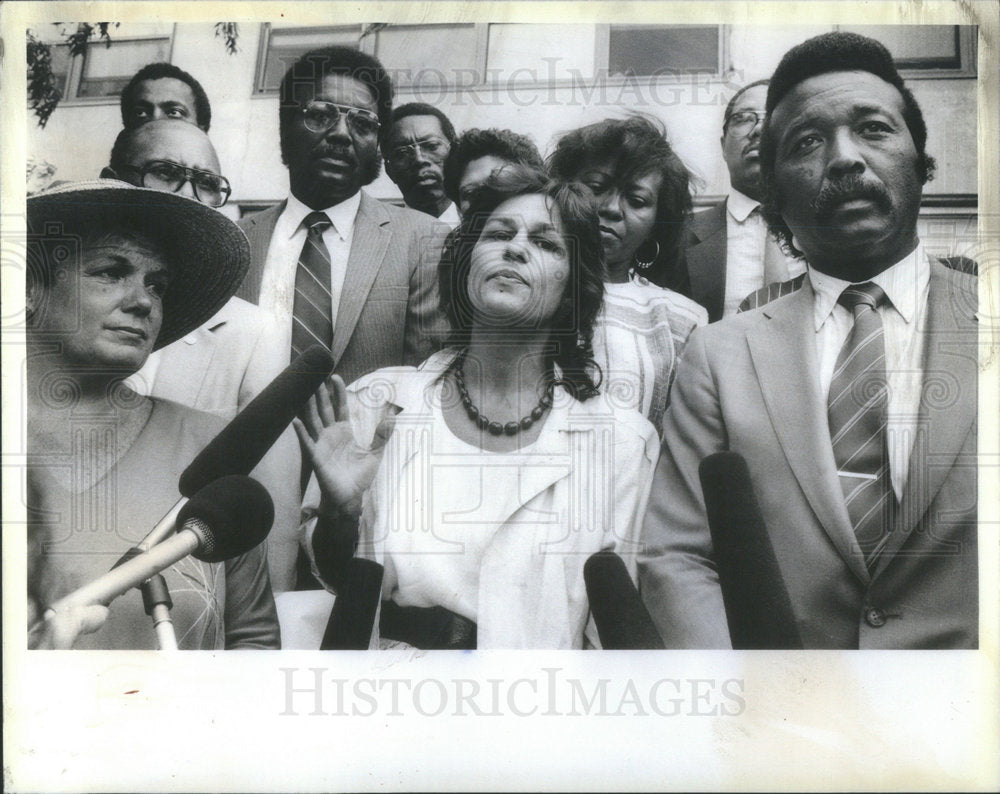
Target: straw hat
x=208 y=253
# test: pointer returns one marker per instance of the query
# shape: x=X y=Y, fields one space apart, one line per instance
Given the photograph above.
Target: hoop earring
x=646 y=264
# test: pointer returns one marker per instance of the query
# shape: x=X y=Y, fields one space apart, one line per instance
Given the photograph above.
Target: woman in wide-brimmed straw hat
x=115 y=272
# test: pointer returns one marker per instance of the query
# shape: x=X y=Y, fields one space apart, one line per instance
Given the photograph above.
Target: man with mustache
x=852 y=400
x=730 y=253
x=415 y=151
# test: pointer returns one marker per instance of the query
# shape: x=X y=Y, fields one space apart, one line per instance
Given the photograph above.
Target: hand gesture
x=60 y=629
x=343 y=469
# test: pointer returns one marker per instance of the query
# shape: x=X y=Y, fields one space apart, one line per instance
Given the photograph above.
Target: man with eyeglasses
x=730 y=254
x=419 y=140
x=331 y=264
x=222 y=365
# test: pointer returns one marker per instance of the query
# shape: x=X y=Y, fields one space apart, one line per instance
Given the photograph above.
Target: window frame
x=368 y=45
x=74 y=75
x=966 y=46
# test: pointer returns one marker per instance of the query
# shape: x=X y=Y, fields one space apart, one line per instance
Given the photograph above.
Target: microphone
x=353 y=615
x=239 y=446
x=758 y=608
x=623 y=623
x=224 y=519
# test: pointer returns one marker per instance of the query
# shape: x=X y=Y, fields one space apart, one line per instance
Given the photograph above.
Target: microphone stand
x=156 y=600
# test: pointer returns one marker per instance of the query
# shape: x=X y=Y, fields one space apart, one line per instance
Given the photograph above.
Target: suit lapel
x=950 y=368
x=706 y=260
x=783 y=350
x=372 y=232
x=258 y=228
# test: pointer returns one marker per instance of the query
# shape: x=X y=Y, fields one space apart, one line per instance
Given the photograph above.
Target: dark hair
x=312 y=67
x=636 y=146
x=832 y=52
x=736 y=96
x=572 y=327
x=158 y=71
x=475 y=143
x=423 y=109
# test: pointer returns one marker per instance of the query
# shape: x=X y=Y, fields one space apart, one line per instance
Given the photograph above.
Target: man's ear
x=108 y=173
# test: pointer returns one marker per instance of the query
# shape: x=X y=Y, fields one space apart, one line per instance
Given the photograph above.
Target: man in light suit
x=379 y=295
x=330 y=264
x=223 y=364
x=876 y=542
x=729 y=253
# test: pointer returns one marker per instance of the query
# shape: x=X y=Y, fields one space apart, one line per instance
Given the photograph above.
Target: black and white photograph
x=501 y=395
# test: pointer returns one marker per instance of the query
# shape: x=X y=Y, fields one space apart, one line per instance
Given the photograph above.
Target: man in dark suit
x=331 y=264
x=729 y=252
x=852 y=399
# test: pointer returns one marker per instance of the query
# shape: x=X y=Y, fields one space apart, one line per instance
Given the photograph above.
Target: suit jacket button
x=875 y=617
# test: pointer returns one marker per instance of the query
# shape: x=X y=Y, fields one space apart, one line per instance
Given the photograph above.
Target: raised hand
x=343 y=469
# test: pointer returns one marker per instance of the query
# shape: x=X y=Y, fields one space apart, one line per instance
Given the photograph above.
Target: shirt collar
x=450 y=216
x=341 y=215
x=905 y=284
x=740 y=205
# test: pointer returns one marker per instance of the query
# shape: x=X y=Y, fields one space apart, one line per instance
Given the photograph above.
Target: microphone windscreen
x=240 y=446
x=235 y=514
x=758 y=608
x=622 y=621
x=353 y=616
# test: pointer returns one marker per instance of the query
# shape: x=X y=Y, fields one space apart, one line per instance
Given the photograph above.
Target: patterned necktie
x=858 y=411
x=312 y=310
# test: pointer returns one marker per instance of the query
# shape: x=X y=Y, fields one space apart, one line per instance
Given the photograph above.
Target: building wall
x=542 y=80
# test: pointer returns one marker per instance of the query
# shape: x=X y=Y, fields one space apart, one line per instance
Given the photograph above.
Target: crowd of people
x=532 y=359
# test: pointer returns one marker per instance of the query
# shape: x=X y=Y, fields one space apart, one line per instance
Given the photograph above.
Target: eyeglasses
x=211 y=189
x=435 y=148
x=319 y=116
x=744 y=120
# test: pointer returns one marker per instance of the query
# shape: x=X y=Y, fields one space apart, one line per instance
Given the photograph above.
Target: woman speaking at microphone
x=115 y=272
x=484 y=479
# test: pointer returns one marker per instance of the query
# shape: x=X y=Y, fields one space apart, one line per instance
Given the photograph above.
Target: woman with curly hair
x=483 y=479
x=642 y=188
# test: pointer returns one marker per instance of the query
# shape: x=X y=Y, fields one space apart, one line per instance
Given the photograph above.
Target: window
x=102 y=72
x=654 y=50
x=432 y=56
x=281 y=47
x=926 y=50
x=105 y=71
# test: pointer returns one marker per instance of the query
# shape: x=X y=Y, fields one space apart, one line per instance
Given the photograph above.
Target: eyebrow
x=856 y=112
x=545 y=227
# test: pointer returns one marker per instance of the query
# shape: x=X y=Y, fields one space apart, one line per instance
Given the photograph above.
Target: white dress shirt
x=450 y=216
x=746 y=249
x=904 y=324
x=277 y=289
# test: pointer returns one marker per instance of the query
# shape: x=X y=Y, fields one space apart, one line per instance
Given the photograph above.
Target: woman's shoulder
x=640 y=294
x=397 y=385
x=630 y=428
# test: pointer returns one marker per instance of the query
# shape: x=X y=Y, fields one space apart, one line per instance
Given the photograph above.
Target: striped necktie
x=858 y=411
x=312 y=310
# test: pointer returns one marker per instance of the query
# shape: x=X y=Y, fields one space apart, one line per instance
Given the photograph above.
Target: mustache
x=847 y=188
x=339 y=152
